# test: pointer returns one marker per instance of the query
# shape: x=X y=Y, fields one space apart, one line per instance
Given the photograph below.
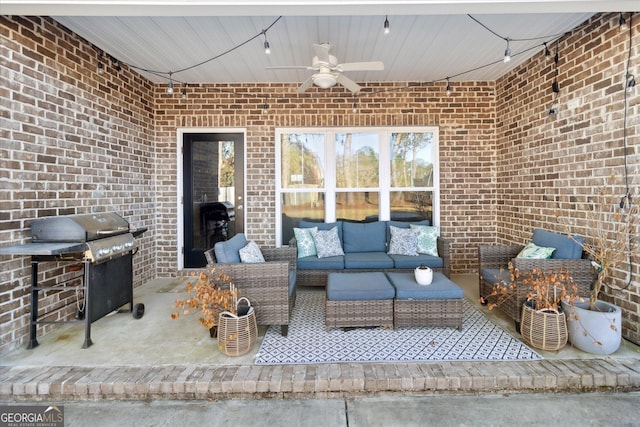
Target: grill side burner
x=104 y=244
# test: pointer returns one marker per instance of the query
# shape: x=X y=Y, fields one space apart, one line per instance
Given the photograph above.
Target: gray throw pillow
x=327 y=243
x=404 y=241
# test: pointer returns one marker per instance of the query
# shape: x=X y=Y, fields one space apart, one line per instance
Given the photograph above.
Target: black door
x=213 y=195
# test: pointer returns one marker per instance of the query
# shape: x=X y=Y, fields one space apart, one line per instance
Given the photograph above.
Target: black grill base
x=107 y=287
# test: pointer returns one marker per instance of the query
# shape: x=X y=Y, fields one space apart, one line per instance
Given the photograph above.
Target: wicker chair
x=265 y=284
x=493 y=262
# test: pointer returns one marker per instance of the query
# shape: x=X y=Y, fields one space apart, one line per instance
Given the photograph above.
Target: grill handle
x=110 y=232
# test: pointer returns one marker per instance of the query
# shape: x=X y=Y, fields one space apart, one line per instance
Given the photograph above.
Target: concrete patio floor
x=158 y=358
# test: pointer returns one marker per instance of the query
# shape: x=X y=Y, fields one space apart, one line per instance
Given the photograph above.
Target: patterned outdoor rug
x=308 y=342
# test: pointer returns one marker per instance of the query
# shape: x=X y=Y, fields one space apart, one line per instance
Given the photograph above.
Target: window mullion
x=330 y=177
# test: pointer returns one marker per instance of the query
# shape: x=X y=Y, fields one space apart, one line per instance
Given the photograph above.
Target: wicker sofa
x=365 y=249
x=493 y=261
x=269 y=285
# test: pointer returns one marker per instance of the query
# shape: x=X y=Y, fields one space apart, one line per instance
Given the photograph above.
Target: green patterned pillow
x=304 y=241
x=533 y=251
x=427 y=238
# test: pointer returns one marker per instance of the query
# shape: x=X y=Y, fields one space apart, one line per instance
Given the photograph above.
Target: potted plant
x=611 y=242
x=211 y=293
x=543 y=323
x=423 y=274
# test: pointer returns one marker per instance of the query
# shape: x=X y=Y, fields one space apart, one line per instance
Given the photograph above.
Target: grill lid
x=78 y=228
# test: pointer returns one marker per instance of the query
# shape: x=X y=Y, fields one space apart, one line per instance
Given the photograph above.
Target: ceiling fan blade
x=305 y=85
x=322 y=52
x=348 y=83
x=290 y=67
x=361 y=66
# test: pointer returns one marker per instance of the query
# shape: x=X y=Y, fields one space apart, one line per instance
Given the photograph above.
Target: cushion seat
x=359 y=287
x=407 y=261
x=368 y=260
x=440 y=288
x=314 y=263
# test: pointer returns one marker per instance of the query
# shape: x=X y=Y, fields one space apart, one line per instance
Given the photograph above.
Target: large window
x=359 y=175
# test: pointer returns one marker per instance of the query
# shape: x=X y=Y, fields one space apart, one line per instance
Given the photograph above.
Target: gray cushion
x=366 y=237
x=229 y=251
x=406 y=261
x=314 y=263
x=496 y=275
x=292 y=281
x=358 y=287
x=440 y=288
x=369 y=260
x=566 y=248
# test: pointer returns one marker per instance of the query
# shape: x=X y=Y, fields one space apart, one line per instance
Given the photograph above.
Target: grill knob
x=103 y=251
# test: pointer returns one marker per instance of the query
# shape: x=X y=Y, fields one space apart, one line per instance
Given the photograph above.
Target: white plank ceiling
x=427 y=41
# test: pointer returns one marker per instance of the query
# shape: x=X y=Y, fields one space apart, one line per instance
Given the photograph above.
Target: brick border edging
x=67 y=383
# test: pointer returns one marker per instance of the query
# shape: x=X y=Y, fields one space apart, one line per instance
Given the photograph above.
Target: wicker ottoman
x=358 y=300
x=437 y=304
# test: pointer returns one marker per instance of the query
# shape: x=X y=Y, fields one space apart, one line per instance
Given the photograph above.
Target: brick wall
x=71 y=141
x=467 y=139
x=547 y=163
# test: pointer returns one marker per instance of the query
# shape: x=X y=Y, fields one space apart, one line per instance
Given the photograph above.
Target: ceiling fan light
x=324 y=81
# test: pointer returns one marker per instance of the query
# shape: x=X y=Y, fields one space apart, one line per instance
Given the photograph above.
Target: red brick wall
x=546 y=163
x=71 y=141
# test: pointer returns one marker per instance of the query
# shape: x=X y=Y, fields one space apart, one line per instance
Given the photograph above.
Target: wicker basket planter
x=237 y=333
x=543 y=329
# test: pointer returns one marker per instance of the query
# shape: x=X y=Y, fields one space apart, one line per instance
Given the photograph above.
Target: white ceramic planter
x=597 y=332
x=424 y=276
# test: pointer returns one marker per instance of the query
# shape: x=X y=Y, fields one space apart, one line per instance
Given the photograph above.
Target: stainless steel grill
x=104 y=243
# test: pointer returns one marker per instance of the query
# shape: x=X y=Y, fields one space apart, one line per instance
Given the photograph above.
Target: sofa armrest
x=444 y=251
x=272 y=274
x=496 y=256
x=284 y=254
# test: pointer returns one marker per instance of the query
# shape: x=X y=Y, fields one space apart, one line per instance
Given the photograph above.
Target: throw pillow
x=251 y=253
x=427 y=239
x=327 y=243
x=304 y=241
x=533 y=251
x=404 y=241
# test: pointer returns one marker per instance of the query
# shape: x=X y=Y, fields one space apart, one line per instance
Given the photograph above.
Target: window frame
x=329 y=189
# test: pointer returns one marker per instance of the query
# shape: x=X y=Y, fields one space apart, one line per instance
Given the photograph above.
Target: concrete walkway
x=558 y=410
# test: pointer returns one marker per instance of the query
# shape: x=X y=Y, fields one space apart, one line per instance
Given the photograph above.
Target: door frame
x=180 y=132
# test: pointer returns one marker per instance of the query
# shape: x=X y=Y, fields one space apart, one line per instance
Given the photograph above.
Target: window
x=357 y=175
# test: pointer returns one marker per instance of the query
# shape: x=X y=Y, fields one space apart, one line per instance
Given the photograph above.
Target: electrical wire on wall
x=626 y=202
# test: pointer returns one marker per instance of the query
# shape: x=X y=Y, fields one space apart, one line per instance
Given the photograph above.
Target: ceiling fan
x=328 y=72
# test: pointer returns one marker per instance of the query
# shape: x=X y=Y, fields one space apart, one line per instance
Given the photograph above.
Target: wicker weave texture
x=433 y=312
x=363 y=313
x=546 y=331
x=265 y=284
x=499 y=256
x=237 y=334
